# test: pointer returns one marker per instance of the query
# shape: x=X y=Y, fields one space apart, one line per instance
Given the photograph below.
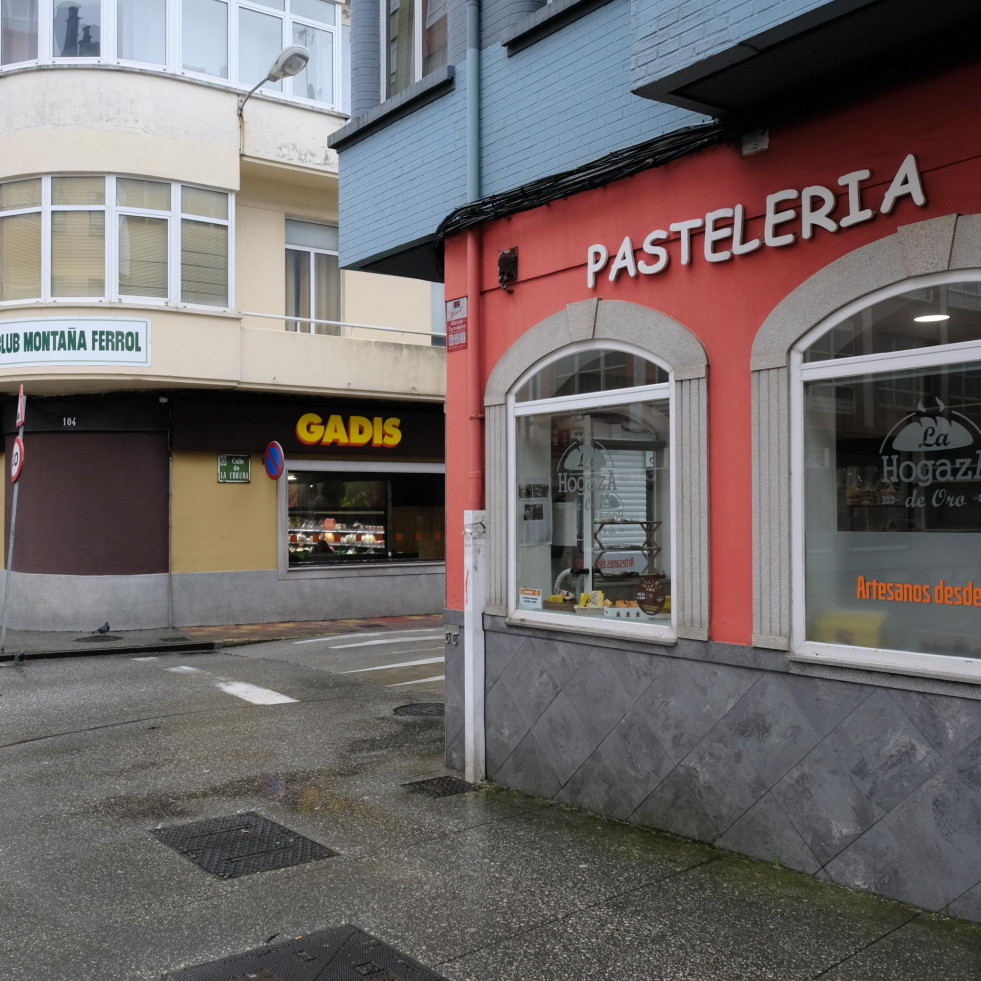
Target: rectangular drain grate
x=344 y=953
x=439 y=786
x=241 y=844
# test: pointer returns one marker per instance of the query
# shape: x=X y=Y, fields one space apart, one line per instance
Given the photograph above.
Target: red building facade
x=724 y=425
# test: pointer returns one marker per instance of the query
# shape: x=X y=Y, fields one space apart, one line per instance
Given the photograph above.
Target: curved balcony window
x=235 y=40
x=114 y=238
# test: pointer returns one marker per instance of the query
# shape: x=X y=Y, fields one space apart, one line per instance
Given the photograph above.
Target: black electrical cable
x=597 y=173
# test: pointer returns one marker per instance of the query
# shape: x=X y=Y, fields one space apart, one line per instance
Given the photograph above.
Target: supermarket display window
x=341 y=517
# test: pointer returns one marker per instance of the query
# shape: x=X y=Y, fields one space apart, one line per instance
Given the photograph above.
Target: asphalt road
x=98 y=752
x=408 y=659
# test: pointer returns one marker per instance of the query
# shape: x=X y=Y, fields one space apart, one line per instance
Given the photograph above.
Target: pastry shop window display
x=889 y=496
x=336 y=517
x=591 y=491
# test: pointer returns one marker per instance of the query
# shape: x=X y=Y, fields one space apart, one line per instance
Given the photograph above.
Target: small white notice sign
x=529 y=599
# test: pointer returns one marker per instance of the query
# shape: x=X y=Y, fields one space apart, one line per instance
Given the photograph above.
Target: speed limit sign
x=16 y=459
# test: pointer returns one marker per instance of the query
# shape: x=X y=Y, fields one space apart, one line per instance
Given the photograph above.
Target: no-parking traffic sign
x=16 y=459
x=274 y=460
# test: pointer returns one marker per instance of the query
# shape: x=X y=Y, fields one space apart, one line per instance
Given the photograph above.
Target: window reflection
x=236 y=40
x=892 y=325
x=316 y=81
x=892 y=478
x=260 y=40
x=18 y=31
x=76 y=30
x=204 y=37
x=141 y=31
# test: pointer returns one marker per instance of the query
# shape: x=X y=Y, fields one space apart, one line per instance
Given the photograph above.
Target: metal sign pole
x=10 y=556
x=16 y=467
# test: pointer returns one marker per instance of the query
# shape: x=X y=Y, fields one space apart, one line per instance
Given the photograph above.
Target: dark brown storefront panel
x=92 y=503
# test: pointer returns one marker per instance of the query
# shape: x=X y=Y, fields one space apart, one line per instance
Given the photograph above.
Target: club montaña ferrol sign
x=787 y=214
x=74 y=341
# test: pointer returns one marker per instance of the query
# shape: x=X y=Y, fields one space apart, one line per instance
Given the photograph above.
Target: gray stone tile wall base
x=870 y=785
x=51 y=602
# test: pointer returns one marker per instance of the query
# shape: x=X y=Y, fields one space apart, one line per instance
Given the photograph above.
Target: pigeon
x=104 y=629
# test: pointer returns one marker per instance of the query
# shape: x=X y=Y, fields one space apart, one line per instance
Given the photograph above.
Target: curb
x=201 y=647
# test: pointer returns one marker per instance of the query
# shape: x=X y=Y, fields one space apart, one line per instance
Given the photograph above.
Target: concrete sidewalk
x=40 y=643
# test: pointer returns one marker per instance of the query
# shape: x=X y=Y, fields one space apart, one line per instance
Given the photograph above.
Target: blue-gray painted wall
x=669 y=35
x=557 y=104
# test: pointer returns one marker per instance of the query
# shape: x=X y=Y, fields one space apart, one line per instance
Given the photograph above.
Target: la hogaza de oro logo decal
x=940 y=432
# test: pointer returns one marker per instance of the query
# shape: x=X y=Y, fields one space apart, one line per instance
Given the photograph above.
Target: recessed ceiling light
x=932 y=318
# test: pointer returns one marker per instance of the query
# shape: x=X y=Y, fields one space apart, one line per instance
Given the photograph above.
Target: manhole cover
x=341 y=954
x=97 y=638
x=421 y=708
x=241 y=844
x=439 y=786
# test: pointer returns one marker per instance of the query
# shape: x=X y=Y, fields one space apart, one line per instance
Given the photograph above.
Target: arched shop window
x=888 y=482
x=591 y=491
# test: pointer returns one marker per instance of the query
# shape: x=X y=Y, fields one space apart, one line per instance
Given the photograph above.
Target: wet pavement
x=39 y=643
x=99 y=753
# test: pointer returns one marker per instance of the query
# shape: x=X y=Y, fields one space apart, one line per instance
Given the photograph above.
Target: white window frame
x=112 y=212
x=662 y=392
x=368 y=468
x=876 y=659
x=173 y=20
x=311 y=251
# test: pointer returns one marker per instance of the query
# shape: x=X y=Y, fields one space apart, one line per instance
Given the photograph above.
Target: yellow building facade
x=171 y=303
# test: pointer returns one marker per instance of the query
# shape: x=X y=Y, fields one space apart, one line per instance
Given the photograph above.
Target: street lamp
x=290 y=61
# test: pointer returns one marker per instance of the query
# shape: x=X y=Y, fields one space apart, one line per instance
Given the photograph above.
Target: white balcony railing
x=338 y=328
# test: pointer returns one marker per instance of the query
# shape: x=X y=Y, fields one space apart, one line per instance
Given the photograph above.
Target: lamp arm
x=245 y=98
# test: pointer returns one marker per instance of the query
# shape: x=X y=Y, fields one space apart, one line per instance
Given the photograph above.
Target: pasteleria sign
x=786 y=216
x=76 y=340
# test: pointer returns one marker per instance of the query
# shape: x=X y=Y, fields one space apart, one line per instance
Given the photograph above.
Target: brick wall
x=558 y=104
x=669 y=35
x=397 y=185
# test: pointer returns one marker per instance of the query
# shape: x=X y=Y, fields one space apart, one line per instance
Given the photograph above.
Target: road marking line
x=253 y=693
x=415 y=635
x=187 y=669
x=418 y=681
x=401 y=664
x=153 y=658
x=375 y=643
x=410 y=650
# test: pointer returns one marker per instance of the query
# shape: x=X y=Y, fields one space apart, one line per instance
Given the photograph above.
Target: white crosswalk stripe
x=240 y=689
x=418 y=681
x=253 y=693
x=418 y=635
